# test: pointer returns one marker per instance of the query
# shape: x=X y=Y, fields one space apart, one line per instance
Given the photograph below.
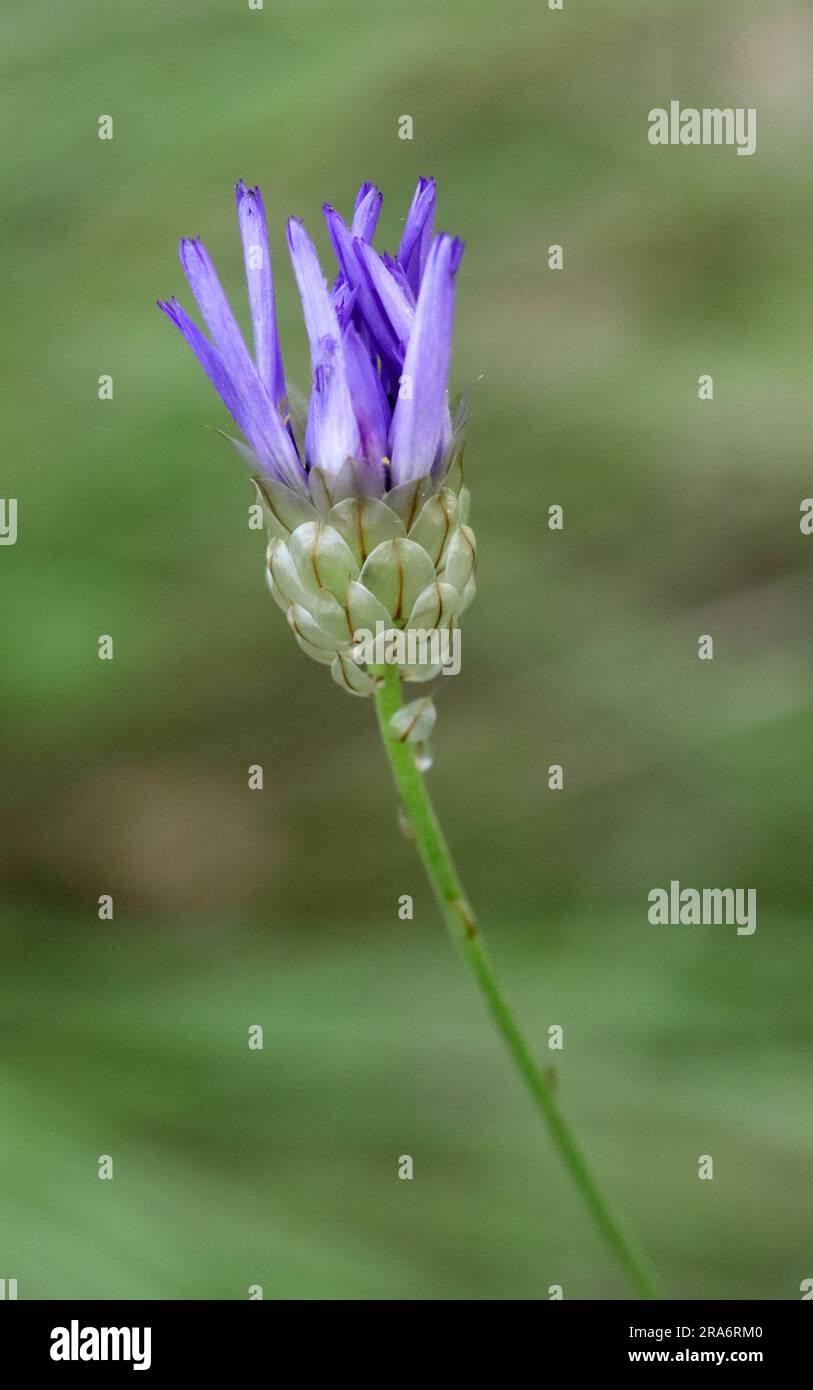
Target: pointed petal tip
x=190 y=247
x=369 y=191
x=247 y=190
x=450 y=246
x=171 y=308
x=295 y=231
x=366 y=211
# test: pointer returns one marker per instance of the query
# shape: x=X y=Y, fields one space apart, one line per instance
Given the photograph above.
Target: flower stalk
x=462 y=926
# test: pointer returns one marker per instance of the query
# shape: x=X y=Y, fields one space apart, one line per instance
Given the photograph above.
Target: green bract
x=341 y=562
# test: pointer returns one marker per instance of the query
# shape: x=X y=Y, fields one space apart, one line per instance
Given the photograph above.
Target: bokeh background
x=279 y=907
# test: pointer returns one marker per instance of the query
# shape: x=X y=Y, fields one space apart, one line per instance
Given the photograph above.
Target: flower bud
x=361 y=485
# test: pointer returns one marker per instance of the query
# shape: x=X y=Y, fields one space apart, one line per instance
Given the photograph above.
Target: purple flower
x=380 y=344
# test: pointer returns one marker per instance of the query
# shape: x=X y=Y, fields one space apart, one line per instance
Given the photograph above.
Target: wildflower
x=367 y=514
x=365 y=506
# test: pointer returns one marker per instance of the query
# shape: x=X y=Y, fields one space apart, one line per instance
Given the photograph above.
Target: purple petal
x=354 y=273
x=417 y=236
x=267 y=456
x=389 y=293
x=257 y=256
x=365 y=214
x=215 y=307
x=262 y=416
x=420 y=420
x=396 y=269
x=210 y=360
x=344 y=300
x=332 y=434
x=369 y=401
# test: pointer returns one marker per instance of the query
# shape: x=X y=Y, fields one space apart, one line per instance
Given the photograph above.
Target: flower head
x=364 y=500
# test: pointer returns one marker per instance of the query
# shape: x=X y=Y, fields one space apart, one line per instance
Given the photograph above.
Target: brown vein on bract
x=402 y=738
x=346 y=608
x=447 y=512
x=440 y=603
x=345 y=681
x=414 y=507
x=362 y=537
x=314 y=566
x=399 y=563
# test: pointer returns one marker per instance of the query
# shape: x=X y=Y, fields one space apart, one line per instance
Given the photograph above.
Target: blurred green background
x=279 y=908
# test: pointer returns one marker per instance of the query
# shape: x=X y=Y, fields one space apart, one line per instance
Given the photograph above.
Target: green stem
x=462 y=926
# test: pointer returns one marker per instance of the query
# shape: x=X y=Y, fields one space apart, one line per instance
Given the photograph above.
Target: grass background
x=234 y=908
